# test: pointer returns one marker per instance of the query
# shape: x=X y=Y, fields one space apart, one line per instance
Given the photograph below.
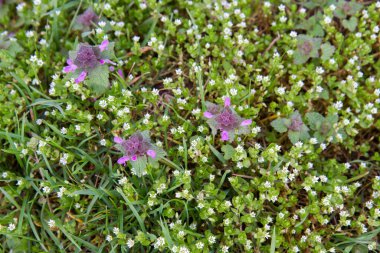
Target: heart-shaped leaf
x=350 y=24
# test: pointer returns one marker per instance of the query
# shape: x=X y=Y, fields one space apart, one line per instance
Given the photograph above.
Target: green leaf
x=6 y=59
x=98 y=79
x=217 y=153
x=312 y=26
x=327 y=51
x=324 y=94
x=317 y=31
x=273 y=241
x=166 y=232
x=109 y=53
x=139 y=165
x=332 y=119
x=350 y=24
x=299 y=58
x=294 y=136
x=228 y=151
x=314 y=119
x=133 y=209
x=307 y=24
x=304 y=133
x=14 y=48
x=73 y=54
x=279 y=125
x=239 y=184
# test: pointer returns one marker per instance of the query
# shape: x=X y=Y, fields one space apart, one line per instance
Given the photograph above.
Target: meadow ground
x=189 y=126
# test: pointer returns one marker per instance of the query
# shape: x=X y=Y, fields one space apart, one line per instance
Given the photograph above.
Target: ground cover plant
x=189 y=126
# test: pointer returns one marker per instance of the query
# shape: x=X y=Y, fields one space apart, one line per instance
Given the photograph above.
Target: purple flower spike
x=227 y=102
x=123 y=160
x=87 y=56
x=102 y=61
x=87 y=60
x=296 y=123
x=151 y=153
x=104 y=45
x=118 y=140
x=136 y=146
x=71 y=68
x=226 y=120
x=208 y=115
x=246 y=122
x=81 y=77
x=111 y=68
x=87 y=18
x=120 y=72
x=225 y=136
x=139 y=150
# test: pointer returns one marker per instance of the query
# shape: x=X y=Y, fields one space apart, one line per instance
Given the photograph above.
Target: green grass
x=302 y=177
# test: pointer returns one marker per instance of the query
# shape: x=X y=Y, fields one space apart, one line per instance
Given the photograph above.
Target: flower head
x=296 y=122
x=87 y=57
x=139 y=150
x=324 y=126
x=307 y=47
x=294 y=125
x=89 y=61
x=87 y=18
x=226 y=120
x=347 y=8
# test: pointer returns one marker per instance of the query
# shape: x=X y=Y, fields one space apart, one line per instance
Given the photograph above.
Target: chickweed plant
x=189 y=126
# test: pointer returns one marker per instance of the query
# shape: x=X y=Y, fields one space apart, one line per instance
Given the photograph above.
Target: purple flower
x=226 y=120
x=296 y=122
x=137 y=149
x=86 y=58
x=87 y=18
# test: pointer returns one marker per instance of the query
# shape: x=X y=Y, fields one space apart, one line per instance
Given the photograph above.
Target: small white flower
x=293 y=34
x=199 y=245
x=281 y=90
x=109 y=238
x=29 y=34
x=46 y=189
x=11 y=227
x=102 y=24
x=103 y=103
x=103 y=142
x=212 y=239
x=51 y=223
x=319 y=70
x=267 y=184
x=130 y=243
x=283 y=19
x=327 y=20
x=20 y=6
x=177 y=22
x=107 y=7
x=225 y=249
x=116 y=230
x=63 y=130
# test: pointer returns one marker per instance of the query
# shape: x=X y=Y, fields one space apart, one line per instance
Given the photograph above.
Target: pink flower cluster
x=226 y=120
x=87 y=58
